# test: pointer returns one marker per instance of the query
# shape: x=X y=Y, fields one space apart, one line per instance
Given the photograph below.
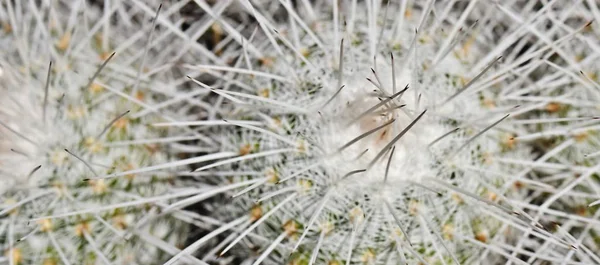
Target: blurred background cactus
x=80 y=86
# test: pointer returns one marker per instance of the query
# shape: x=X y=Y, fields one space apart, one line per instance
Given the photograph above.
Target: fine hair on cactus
x=375 y=133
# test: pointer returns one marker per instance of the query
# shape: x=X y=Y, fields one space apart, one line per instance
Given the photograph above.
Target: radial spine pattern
x=372 y=133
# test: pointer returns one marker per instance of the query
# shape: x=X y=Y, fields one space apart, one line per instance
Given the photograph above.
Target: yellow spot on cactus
x=64 y=41
x=93 y=145
x=256 y=213
x=508 y=141
x=6 y=27
x=98 y=186
x=492 y=196
x=61 y=190
x=15 y=255
x=120 y=222
x=11 y=202
x=518 y=185
x=45 y=225
x=245 y=149
x=265 y=93
x=425 y=38
x=104 y=55
x=580 y=137
x=482 y=236
x=448 y=231
x=413 y=207
x=489 y=103
x=408 y=13
x=129 y=167
x=302 y=146
x=272 y=175
x=487 y=158
x=266 y=61
x=397 y=233
x=334 y=262
x=152 y=148
x=61 y=67
x=139 y=95
x=467 y=46
x=96 y=88
x=121 y=123
x=290 y=227
x=368 y=256
x=276 y=124
x=593 y=76
x=50 y=261
x=326 y=227
x=304 y=51
x=581 y=210
x=81 y=228
x=58 y=157
x=305 y=185
x=470 y=131
x=217 y=32
x=98 y=38
x=464 y=80
x=76 y=112
x=457 y=198
x=357 y=216
x=553 y=107
x=299 y=260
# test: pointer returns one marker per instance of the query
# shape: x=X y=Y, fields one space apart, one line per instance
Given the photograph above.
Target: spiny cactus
x=347 y=132
x=369 y=133
x=563 y=127
x=78 y=92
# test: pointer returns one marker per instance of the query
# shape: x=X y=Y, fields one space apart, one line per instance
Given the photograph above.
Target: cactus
x=78 y=94
x=369 y=133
